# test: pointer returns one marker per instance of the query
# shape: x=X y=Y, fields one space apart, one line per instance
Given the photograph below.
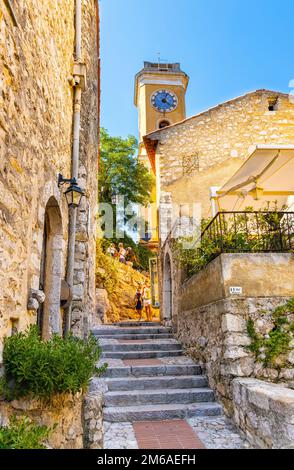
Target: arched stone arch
x=167 y=306
x=49 y=314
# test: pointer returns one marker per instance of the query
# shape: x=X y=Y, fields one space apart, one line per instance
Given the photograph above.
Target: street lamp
x=74 y=193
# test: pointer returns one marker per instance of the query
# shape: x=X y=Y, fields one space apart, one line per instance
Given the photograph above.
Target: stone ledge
x=265 y=413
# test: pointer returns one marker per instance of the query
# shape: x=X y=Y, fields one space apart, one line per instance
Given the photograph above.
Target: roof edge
x=260 y=90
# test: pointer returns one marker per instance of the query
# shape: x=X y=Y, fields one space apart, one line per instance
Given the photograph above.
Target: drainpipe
x=78 y=82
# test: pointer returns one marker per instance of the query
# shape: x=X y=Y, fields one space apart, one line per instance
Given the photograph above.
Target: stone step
x=124 y=324
x=116 y=331
x=136 y=337
x=153 y=371
x=162 y=396
x=160 y=412
x=154 y=383
x=148 y=354
x=158 y=345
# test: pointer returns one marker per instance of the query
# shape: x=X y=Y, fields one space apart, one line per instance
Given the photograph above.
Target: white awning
x=267 y=176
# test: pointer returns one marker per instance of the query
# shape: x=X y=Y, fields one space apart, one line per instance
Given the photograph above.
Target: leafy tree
x=120 y=172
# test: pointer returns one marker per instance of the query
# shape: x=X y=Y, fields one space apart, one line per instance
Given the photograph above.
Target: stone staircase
x=148 y=377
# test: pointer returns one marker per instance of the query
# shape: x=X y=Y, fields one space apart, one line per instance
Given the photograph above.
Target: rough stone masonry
x=36 y=116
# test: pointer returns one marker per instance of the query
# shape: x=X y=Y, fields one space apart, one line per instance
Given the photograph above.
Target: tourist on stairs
x=139 y=302
x=147 y=301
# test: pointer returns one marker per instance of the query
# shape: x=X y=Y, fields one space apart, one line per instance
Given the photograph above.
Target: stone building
x=194 y=156
x=213 y=308
x=42 y=76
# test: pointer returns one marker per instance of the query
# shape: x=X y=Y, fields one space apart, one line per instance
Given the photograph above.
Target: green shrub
x=22 y=433
x=42 y=369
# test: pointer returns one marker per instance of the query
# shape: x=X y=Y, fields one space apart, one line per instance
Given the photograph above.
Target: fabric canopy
x=267 y=176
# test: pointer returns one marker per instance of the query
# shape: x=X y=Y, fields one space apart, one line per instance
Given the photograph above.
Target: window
x=163 y=124
x=272 y=103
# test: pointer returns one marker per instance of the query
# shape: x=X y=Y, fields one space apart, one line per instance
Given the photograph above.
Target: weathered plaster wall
x=258 y=274
x=214 y=328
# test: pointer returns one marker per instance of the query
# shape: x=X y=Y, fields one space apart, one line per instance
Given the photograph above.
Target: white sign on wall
x=236 y=290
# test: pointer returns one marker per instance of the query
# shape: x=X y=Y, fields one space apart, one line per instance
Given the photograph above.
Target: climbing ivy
x=271 y=347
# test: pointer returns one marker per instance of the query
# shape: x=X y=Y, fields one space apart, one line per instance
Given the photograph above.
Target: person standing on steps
x=139 y=302
x=147 y=301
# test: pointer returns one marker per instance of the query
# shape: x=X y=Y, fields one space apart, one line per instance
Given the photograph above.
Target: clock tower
x=160 y=91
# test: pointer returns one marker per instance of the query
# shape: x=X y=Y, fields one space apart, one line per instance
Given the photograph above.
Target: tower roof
x=162 y=67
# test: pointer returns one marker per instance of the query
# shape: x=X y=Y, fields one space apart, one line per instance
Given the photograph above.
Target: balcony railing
x=241 y=232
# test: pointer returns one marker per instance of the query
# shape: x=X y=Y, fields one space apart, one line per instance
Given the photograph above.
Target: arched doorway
x=49 y=313
x=167 y=289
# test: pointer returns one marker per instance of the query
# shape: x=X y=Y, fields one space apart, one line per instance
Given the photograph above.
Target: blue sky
x=227 y=47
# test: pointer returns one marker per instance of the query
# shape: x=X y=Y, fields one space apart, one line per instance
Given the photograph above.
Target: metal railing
x=259 y=231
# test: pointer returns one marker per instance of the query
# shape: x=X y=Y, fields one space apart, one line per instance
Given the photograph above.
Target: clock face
x=164 y=101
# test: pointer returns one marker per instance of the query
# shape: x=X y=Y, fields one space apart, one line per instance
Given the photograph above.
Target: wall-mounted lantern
x=74 y=193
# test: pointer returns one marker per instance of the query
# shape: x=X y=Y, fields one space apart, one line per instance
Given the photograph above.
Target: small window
x=272 y=103
x=14 y=326
x=164 y=124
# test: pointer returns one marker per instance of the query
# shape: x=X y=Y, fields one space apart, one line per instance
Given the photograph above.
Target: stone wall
x=84 y=279
x=205 y=150
x=35 y=142
x=212 y=324
x=265 y=413
x=36 y=116
x=93 y=420
x=78 y=419
x=257 y=274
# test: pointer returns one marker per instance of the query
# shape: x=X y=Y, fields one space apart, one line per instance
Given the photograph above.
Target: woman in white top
x=122 y=253
x=147 y=301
